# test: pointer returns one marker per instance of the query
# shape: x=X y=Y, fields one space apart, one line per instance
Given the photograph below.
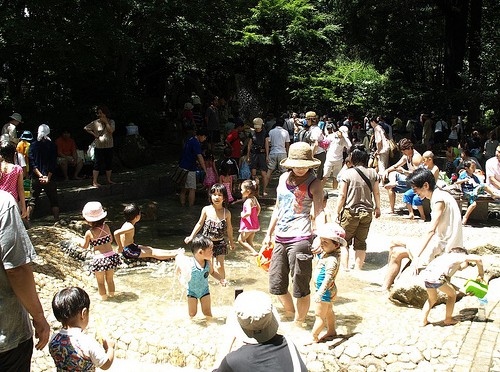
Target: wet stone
x=390 y=358
x=353 y=350
x=395 y=349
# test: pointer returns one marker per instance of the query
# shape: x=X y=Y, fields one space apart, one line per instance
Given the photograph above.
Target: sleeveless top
x=409 y=163
x=295 y=202
x=101 y=240
x=250 y=223
x=8 y=181
x=215 y=230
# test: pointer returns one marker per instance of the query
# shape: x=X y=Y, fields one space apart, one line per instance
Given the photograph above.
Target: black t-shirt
x=258 y=142
x=273 y=355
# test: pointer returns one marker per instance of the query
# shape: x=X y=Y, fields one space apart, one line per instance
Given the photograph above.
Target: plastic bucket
x=478 y=289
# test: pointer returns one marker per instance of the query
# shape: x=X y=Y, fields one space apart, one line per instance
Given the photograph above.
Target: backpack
x=304 y=135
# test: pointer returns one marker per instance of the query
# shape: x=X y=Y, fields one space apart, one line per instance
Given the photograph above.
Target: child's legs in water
x=192 y=306
x=330 y=321
x=109 y=274
x=159 y=254
x=100 y=276
x=206 y=305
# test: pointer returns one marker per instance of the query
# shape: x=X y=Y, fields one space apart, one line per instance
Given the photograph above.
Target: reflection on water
x=158 y=293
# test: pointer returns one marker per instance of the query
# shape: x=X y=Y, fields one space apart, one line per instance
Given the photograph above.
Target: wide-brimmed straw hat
x=93 y=211
x=333 y=232
x=300 y=156
x=254 y=319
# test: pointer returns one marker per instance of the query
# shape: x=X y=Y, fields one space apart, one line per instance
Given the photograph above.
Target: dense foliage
x=144 y=58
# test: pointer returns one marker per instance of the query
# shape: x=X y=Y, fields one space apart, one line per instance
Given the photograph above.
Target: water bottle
x=481 y=310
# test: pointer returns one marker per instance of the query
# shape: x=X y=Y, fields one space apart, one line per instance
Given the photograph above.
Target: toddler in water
x=249 y=223
x=215 y=220
x=202 y=248
x=99 y=238
x=437 y=275
x=125 y=238
x=331 y=239
x=71 y=349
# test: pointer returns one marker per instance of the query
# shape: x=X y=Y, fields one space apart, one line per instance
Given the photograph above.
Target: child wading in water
x=331 y=239
x=99 y=237
x=71 y=349
x=437 y=275
x=125 y=238
x=215 y=220
x=202 y=248
x=249 y=223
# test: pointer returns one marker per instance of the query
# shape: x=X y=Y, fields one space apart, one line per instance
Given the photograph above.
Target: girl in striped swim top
x=99 y=238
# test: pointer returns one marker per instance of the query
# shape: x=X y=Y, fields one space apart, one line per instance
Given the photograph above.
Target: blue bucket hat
x=27 y=136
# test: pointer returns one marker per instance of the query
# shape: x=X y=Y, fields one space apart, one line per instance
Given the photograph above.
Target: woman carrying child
x=99 y=237
x=215 y=220
x=249 y=223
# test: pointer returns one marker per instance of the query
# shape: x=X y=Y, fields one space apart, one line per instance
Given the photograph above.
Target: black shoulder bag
x=363 y=176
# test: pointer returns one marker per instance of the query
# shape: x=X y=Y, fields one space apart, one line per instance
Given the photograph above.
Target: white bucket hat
x=93 y=211
x=255 y=319
x=300 y=156
x=333 y=232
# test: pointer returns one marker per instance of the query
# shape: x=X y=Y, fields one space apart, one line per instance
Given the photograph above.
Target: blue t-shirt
x=468 y=187
x=191 y=150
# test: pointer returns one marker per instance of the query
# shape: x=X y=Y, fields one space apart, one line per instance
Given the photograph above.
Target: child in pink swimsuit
x=249 y=223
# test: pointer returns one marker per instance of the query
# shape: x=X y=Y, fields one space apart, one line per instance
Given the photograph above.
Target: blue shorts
x=432 y=285
x=410 y=197
x=401 y=185
x=131 y=251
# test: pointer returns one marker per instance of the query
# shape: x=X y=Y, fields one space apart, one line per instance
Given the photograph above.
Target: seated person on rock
x=67 y=155
x=445 y=230
x=472 y=187
x=493 y=171
x=397 y=174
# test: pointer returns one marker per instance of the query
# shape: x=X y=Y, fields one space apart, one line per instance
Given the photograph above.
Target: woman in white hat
x=298 y=190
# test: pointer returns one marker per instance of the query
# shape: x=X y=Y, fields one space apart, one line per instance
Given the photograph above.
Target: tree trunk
x=475 y=45
x=456 y=14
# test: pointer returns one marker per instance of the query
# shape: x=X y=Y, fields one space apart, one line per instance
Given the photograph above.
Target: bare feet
x=409 y=217
x=95 y=184
x=77 y=178
x=312 y=340
x=111 y=182
x=424 y=323
x=450 y=322
x=328 y=337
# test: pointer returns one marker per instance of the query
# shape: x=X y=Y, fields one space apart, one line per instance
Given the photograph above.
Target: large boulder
x=135 y=152
x=409 y=288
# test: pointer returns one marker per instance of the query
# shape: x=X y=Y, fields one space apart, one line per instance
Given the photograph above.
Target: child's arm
x=125 y=229
x=229 y=229
x=198 y=226
x=86 y=242
x=20 y=192
x=479 y=262
x=109 y=347
x=258 y=206
x=216 y=275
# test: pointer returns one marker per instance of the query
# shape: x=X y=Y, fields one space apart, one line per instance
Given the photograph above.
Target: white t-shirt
x=380 y=137
x=449 y=229
x=492 y=169
x=317 y=135
x=447 y=264
x=278 y=137
x=440 y=126
x=336 y=148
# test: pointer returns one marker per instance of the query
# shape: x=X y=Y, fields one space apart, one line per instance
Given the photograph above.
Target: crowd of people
x=301 y=231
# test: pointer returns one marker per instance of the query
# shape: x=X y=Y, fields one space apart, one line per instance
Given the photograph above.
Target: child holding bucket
x=437 y=276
